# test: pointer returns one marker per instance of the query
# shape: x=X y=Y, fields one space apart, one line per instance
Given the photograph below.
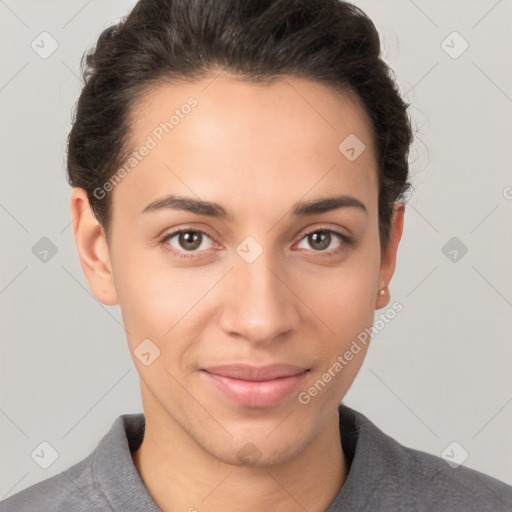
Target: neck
x=181 y=476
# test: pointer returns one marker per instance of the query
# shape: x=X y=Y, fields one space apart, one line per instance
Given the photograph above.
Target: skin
x=257 y=150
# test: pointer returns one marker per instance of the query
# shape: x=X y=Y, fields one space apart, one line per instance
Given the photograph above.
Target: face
x=267 y=276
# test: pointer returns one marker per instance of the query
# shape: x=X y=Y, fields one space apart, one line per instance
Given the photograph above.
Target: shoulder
x=401 y=478
x=72 y=489
x=103 y=481
x=428 y=479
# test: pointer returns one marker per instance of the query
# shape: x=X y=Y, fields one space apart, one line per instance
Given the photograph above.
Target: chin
x=255 y=455
x=256 y=450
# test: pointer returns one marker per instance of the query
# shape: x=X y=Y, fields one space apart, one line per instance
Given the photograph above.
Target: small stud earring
x=381 y=291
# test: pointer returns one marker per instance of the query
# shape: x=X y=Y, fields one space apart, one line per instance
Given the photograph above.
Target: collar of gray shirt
x=383 y=475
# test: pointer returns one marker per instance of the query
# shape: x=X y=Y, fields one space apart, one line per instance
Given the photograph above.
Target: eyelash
x=191 y=254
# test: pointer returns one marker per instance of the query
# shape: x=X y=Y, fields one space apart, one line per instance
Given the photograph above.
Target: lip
x=256 y=387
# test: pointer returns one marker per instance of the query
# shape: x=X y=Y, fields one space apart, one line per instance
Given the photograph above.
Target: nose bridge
x=260 y=307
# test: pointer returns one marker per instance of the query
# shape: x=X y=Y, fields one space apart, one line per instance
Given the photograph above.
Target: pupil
x=189 y=240
x=315 y=236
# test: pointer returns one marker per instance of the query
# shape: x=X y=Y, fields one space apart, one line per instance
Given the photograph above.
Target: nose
x=260 y=305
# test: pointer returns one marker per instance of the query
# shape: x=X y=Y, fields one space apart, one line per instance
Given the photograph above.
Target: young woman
x=239 y=169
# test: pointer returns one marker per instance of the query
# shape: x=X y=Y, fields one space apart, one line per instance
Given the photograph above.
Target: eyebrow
x=211 y=209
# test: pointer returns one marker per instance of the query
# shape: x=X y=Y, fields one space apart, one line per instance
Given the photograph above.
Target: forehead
x=222 y=133
x=240 y=103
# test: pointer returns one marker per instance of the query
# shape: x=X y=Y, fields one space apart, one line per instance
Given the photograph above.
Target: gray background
x=438 y=373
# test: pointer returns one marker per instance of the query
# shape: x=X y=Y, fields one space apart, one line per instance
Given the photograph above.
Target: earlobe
x=388 y=259
x=92 y=248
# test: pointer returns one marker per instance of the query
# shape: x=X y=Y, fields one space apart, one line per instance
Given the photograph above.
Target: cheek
x=158 y=300
x=344 y=296
x=147 y=292
x=345 y=303
x=343 y=299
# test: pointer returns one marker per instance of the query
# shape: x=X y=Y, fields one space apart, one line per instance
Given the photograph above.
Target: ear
x=388 y=258
x=92 y=249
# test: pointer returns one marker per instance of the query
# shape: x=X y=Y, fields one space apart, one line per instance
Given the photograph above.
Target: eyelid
x=325 y=228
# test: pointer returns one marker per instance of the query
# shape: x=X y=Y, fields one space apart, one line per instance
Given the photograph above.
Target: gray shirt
x=383 y=476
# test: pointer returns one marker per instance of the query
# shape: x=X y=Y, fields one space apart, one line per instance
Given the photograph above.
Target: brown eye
x=324 y=240
x=319 y=240
x=186 y=243
x=189 y=240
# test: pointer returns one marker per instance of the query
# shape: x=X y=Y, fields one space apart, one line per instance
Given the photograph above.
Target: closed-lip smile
x=258 y=387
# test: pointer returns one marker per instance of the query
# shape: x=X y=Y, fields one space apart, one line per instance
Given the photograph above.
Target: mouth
x=256 y=387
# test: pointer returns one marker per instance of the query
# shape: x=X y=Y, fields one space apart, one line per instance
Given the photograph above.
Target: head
x=249 y=114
